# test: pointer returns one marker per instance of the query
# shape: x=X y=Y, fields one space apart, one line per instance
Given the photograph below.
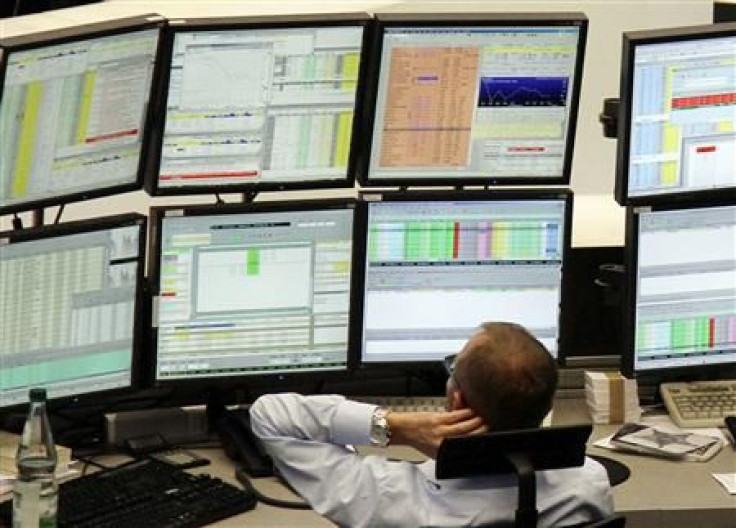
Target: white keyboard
x=419 y=404
x=699 y=404
x=406 y=403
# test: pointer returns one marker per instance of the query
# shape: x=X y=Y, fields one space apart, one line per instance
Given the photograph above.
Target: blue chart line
x=523 y=91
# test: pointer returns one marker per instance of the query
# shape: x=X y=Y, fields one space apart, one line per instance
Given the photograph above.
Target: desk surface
x=659 y=493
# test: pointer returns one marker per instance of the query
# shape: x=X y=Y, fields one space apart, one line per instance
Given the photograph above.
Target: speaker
x=178 y=425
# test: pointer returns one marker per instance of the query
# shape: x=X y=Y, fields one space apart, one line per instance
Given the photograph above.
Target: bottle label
x=26 y=504
x=32 y=507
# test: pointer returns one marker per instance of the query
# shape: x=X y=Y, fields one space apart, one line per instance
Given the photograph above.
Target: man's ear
x=457 y=400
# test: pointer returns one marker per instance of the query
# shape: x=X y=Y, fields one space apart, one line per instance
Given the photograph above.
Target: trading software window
x=473 y=102
x=243 y=294
x=682 y=119
x=249 y=106
x=67 y=309
x=686 y=288
x=72 y=116
x=436 y=270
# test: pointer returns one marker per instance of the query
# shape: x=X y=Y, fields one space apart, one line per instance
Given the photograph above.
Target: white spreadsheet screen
x=67 y=313
x=685 y=288
x=72 y=116
x=260 y=106
x=436 y=270
x=683 y=113
x=254 y=293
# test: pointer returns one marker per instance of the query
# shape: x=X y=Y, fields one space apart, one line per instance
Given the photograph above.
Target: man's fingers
x=464 y=427
x=480 y=430
x=459 y=415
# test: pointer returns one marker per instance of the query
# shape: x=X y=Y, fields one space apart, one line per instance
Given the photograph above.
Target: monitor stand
x=238 y=440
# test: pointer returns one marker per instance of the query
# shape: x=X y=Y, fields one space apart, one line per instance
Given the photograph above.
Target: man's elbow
x=259 y=417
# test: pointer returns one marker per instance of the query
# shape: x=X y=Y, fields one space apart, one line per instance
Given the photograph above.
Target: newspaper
x=670 y=442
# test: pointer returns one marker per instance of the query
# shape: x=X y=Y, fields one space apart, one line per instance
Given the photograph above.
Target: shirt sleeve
x=307 y=436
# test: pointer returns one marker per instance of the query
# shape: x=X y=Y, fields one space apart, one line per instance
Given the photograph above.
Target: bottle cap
x=37 y=395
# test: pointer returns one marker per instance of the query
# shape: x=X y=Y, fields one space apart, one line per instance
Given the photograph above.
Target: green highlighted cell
x=253 y=262
x=373 y=243
x=438 y=240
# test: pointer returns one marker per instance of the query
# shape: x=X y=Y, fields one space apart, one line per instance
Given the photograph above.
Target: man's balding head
x=506 y=376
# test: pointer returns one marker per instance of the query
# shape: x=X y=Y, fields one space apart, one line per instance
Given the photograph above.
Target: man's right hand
x=425 y=431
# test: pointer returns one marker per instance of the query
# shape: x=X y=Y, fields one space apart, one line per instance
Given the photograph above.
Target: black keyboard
x=146 y=493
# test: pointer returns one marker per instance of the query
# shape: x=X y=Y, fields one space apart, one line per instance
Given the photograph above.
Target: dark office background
x=10 y=8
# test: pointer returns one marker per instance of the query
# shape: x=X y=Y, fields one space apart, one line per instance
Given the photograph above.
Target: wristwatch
x=380 y=431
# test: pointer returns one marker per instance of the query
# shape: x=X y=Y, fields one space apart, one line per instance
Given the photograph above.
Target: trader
x=502 y=379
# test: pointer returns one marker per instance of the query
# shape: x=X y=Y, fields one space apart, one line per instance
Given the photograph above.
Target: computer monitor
x=261 y=103
x=482 y=98
x=439 y=264
x=70 y=308
x=681 y=306
x=74 y=111
x=676 y=138
x=247 y=291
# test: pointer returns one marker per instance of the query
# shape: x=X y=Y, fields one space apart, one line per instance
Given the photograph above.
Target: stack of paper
x=611 y=398
x=8 y=471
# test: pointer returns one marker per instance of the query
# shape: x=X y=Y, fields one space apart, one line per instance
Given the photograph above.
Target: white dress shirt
x=307 y=435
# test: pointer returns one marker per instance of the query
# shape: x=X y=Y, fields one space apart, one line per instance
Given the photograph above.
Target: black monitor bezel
x=151 y=182
x=138 y=349
x=630 y=41
x=628 y=307
x=248 y=380
x=366 y=197
x=80 y=33
x=416 y=20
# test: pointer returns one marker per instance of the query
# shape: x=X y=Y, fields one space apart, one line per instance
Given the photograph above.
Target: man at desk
x=502 y=379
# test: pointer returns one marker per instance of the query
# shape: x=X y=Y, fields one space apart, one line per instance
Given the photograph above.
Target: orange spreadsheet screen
x=475 y=103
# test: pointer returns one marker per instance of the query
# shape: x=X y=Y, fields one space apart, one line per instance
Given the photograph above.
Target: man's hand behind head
x=425 y=431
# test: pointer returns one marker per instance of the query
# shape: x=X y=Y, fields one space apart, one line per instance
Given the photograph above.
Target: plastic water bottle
x=35 y=492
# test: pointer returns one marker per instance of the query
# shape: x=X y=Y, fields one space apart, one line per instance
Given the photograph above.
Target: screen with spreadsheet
x=491 y=100
x=436 y=268
x=74 y=112
x=252 y=291
x=261 y=105
x=70 y=301
x=683 y=307
x=678 y=98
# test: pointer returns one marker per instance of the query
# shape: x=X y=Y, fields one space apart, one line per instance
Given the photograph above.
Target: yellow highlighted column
x=342 y=140
x=670 y=138
x=86 y=104
x=350 y=66
x=501 y=240
x=27 y=140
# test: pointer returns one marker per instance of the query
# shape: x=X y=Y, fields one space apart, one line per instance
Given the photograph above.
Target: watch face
x=380 y=433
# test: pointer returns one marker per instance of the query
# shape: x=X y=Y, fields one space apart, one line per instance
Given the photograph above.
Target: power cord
x=265 y=499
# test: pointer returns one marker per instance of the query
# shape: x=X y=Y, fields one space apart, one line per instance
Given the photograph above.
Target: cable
x=16 y=9
x=89 y=462
x=58 y=214
x=265 y=499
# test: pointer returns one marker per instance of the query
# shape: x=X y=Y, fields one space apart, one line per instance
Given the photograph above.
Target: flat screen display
x=436 y=268
x=254 y=106
x=253 y=292
x=677 y=138
x=74 y=114
x=476 y=100
x=70 y=303
x=683 y=307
